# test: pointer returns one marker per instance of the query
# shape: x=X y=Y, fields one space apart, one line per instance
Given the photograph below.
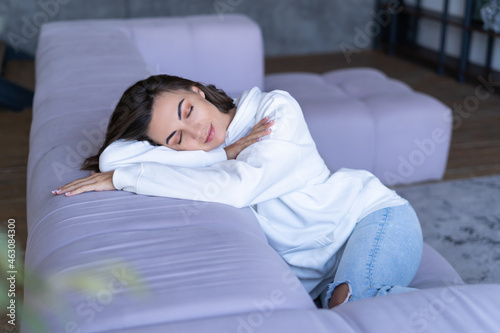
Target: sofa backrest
x=227 y=52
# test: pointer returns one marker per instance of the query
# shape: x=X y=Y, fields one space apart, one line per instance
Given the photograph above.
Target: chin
x=209 y=148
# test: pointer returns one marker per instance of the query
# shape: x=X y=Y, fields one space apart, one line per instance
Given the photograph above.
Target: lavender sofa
x=120 y=262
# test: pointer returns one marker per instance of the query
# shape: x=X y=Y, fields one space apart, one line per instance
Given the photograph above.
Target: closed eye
x=179 y=115
x=187 y=116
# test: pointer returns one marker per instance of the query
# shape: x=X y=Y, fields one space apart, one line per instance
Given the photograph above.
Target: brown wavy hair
x=132 y=115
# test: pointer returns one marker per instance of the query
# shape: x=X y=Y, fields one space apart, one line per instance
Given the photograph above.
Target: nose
x=197 y=133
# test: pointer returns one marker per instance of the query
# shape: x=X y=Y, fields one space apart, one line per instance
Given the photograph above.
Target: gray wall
x=290 y=27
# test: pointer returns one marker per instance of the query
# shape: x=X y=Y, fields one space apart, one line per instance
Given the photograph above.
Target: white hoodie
x=306 y=212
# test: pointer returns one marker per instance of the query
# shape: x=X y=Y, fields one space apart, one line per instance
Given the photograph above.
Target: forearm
x=237 y=183
x=127 y=153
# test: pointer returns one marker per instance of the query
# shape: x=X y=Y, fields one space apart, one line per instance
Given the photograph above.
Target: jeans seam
x=376 y=247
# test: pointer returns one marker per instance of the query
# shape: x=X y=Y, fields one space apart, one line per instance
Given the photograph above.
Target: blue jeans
x=381 y=256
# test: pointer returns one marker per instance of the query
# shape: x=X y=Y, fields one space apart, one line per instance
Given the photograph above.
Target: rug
x=461 y=220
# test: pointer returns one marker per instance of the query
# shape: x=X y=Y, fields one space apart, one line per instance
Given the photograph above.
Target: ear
x=197 y=90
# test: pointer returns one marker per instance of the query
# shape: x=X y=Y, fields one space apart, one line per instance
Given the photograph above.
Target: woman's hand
x=97 y=181
x=262 y=128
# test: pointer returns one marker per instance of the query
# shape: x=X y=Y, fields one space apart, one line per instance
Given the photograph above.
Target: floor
x=474 y=151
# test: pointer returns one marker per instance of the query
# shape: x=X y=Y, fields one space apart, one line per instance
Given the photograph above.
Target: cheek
x=221 y=135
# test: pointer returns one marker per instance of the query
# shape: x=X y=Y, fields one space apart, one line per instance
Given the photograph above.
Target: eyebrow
x=179 y=109
x=170 y=136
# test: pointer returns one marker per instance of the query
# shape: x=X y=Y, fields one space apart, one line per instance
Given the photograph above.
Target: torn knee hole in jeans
x=349 y=293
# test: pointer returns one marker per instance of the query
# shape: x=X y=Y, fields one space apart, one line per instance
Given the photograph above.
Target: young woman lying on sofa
x=344 y=234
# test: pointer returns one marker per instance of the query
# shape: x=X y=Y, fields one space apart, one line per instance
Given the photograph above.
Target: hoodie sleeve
x=123 y=153
x=265 y=170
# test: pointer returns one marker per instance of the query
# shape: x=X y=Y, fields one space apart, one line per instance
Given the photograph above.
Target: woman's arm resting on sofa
x=97 y=181
x=122 y=153
x=125 y=153
x=135 y=152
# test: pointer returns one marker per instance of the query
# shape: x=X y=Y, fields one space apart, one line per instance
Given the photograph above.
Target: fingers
x=75 y=186
x=261 y=132
x=264 y=123
x=262 y=128
x=95 y=182
x=66 y=188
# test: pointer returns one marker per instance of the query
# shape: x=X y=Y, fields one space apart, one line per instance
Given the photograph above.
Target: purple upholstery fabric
x=120 y=262
x=431 y=310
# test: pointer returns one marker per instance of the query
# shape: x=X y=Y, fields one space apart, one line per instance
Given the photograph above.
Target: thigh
x=384 y=249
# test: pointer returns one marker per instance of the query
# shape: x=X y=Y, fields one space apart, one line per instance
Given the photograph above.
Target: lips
x=211 y=134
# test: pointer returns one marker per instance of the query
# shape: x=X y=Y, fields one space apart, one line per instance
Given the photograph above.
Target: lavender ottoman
x=120 y=262
x=362 y=119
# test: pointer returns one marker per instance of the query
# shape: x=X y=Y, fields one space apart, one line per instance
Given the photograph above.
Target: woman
x=344 y=234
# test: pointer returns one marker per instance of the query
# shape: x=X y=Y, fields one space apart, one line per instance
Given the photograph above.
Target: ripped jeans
x=381 y=256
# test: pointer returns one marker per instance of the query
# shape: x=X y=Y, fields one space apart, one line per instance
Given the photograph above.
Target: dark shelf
x=429 y=14
x=475 y=25
x=451 y=64
x=402 y=35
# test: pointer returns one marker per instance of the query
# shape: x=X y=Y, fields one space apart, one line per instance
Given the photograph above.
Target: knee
x=340 y=295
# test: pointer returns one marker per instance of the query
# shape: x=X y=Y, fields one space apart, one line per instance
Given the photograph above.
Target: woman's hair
x=132 y=115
